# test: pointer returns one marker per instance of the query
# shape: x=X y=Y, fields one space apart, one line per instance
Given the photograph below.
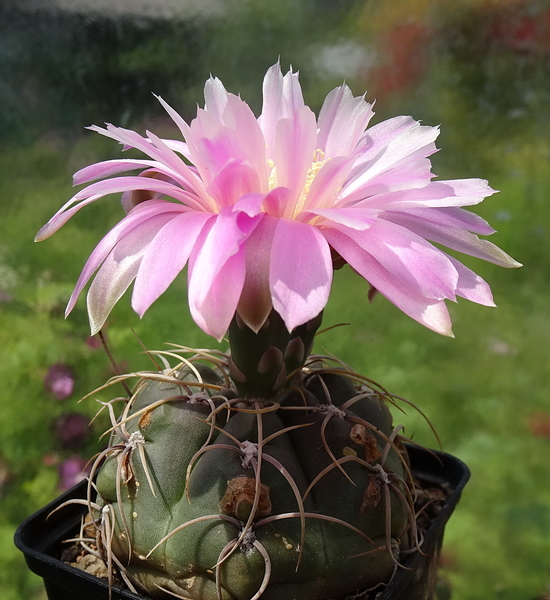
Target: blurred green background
x=479 y=68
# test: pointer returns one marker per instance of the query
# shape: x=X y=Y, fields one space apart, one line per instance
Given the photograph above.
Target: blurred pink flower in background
x=71 y=471
x=93 y=342
x=264 y=206
x=72 y=430
x=59 y=381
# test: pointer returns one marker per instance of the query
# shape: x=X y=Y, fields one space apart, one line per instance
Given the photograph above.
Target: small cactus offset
x=206 y=493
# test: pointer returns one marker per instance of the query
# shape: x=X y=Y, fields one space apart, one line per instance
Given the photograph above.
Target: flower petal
x=228 y=131
x=142 y=213
x=295 y=143
x=119 y=269
x=429 y=312
x=471 y=286
x=355 y=218
x=234 y=180
x=327 y=183
x=255 y=302
x=214 y=312
x=409 y=258
x=456 y=239
x=166 y=256
x=450 y=217
x=437 y=194
x=276 y=201
x=342 y=121
x=300 y=272
x=390 y=145
x=110 y=186
x=282 y=97
x=228 y=233
x=107 y=168
x=132 y=139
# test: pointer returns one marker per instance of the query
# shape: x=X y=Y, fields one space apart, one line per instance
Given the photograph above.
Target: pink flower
x=59 y=381
x=263 y=206
x=72 y=430
x=71 y=471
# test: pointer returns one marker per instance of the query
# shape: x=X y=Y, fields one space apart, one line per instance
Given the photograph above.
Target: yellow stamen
x=318 y=160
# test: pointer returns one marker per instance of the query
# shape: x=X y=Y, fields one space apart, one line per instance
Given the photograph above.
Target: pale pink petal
x=252 y=145
x=471 y=286
x=229 y=231
x=119 y=269
x=117 y=185
x=389 y=133
x=282 y=97
x=216 y=139
x=342 y=121
x=355 y=218
x=166 y=256
x=388 y=144
x=250 y=204
x=276 y=201
x=295 y=143
x=437 y=194
x=255 y=301
x=409 y=258
x=456 y=239
x=214 y=312
x=185 y=176
x=108 y=168
x=99 y=189
x=234 y=180
x=132 y=139
x=451 y=217
x=215 y=98
x=142 y=213
x=179 y=147
x=180 y=122
x=431 y=313
x=61 y=217
x=300 y=272
x=412 y=172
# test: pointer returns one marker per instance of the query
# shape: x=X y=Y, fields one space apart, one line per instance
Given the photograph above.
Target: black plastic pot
x=40 y=540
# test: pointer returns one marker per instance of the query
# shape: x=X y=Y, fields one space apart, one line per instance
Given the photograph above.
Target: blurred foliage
x=480 y=68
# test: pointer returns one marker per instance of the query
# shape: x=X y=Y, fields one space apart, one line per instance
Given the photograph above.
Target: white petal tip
x=44 y=233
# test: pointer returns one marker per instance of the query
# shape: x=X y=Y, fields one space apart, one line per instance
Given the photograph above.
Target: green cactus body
x=288 y=496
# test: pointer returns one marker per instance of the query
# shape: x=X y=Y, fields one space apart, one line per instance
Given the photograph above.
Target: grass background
x=485 y=391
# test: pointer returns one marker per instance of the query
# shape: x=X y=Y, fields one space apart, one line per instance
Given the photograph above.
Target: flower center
x=318 y=160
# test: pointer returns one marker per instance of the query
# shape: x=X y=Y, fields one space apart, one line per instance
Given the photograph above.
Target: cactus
x=269 y=472
x=206 y=492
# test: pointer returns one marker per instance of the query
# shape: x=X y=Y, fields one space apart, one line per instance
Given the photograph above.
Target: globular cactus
x=206 y=493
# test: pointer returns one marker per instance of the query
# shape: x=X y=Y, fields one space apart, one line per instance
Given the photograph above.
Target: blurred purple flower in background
x=72 y=430
x=71 y=471
x=6 y=477
x=59 y=381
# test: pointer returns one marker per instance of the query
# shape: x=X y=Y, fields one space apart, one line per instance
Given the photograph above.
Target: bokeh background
x=479 y=68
